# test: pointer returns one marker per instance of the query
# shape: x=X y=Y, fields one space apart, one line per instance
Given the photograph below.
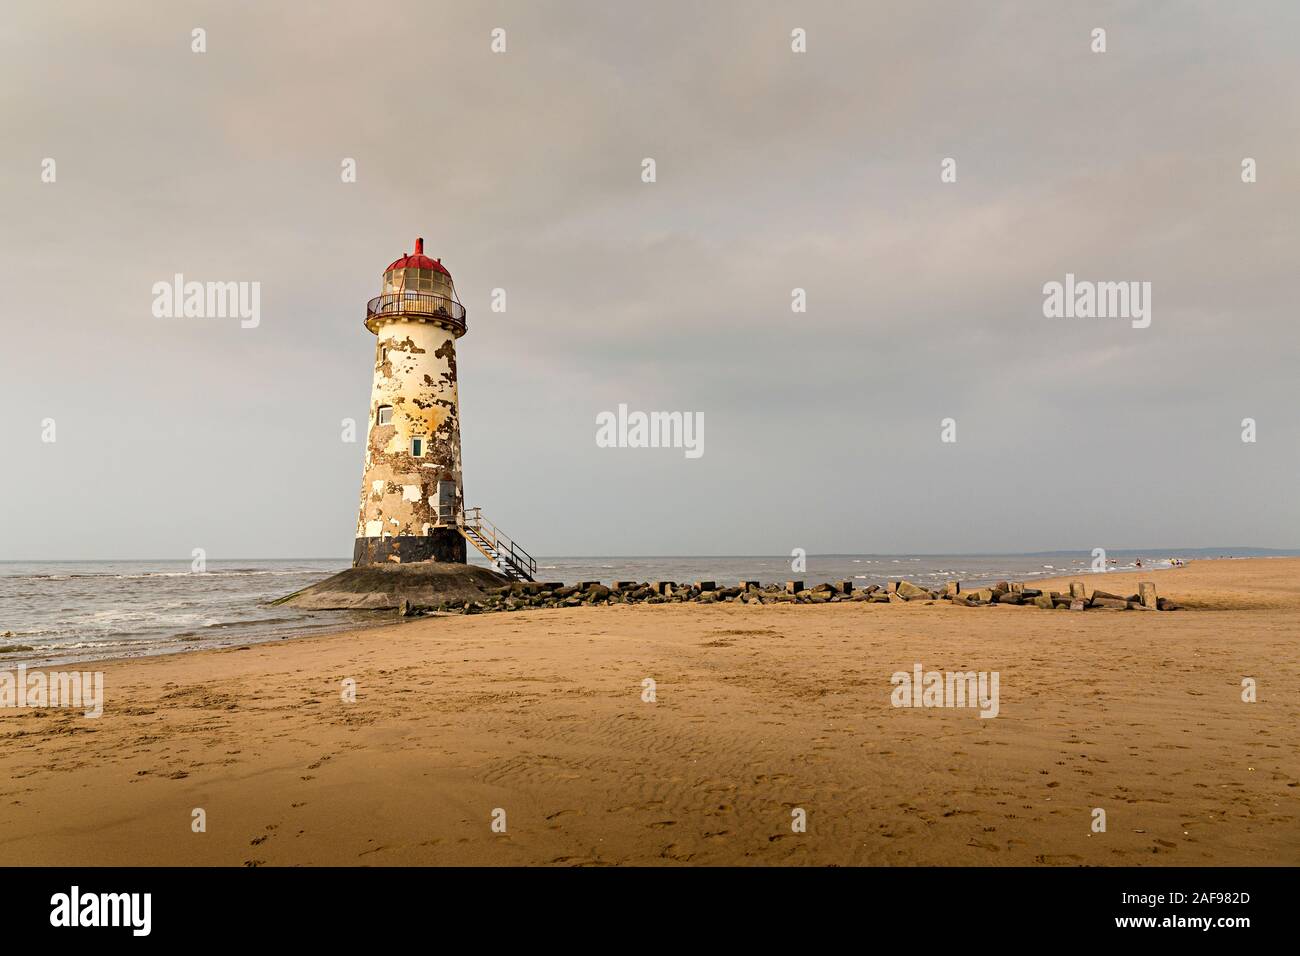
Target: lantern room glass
x=410 y=280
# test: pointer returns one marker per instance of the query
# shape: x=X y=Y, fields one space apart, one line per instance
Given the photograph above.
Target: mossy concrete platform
x=379 y=587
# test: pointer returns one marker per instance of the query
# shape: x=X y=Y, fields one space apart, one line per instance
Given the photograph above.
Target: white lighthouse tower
x=412 y=500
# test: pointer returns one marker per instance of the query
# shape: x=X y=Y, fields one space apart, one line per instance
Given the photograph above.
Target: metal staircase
x=505 y=556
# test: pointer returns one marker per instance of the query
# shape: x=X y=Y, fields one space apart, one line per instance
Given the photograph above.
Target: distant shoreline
x=275 y=626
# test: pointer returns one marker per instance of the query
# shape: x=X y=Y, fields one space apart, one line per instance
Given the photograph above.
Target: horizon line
x=820 y=554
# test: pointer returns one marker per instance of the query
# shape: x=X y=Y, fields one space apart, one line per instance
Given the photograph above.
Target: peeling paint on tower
x=411 y=490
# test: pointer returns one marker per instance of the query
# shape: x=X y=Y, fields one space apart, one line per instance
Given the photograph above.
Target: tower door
x=447 y=502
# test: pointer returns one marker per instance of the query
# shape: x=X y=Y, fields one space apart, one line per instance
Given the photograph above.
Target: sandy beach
x=759 y=712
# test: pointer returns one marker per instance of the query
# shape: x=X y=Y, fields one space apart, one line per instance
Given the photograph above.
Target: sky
x=774 y=171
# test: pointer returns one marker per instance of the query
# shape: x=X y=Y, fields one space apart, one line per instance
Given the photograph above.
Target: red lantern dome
x=418 y=260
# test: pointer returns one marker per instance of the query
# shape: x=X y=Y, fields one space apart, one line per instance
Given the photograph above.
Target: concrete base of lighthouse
x=379 y=587
x=441 y=544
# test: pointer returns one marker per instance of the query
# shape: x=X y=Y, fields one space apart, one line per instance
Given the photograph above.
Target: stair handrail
x=472 y=519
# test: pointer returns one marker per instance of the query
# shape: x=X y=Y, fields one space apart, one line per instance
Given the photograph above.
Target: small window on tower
x=417 y=447
x=385 y=415
x=383 y=355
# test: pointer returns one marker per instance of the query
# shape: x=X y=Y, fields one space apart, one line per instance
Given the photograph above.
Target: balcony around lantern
x=419 y=305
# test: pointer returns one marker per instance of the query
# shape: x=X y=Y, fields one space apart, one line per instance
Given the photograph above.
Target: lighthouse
x=412 y=501
x=411 y=495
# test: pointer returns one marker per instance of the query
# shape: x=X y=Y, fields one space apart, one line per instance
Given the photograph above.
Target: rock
x=749 y=585
x=910 y=591
x=952 y=588
x=1043 y=601
x=1076 y=605
x=1076 y=590
x=1009 y=597
x=983 y=595
x=1017 y=587
x=871 y=589
x=624 y=585
x=896 y=598
x=1147 y=595
x=1106 y=594
x=1164 y=604
x=597 y=592
x=1118 y=604
x=845 y=587
x=664 y=588
x=793 y=587
x=705 y=586
x=1002 y=587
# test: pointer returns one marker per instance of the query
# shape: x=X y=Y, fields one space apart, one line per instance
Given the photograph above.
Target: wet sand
x=759 y=712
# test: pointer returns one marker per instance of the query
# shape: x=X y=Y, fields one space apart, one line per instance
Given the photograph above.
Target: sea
x=60 y=612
